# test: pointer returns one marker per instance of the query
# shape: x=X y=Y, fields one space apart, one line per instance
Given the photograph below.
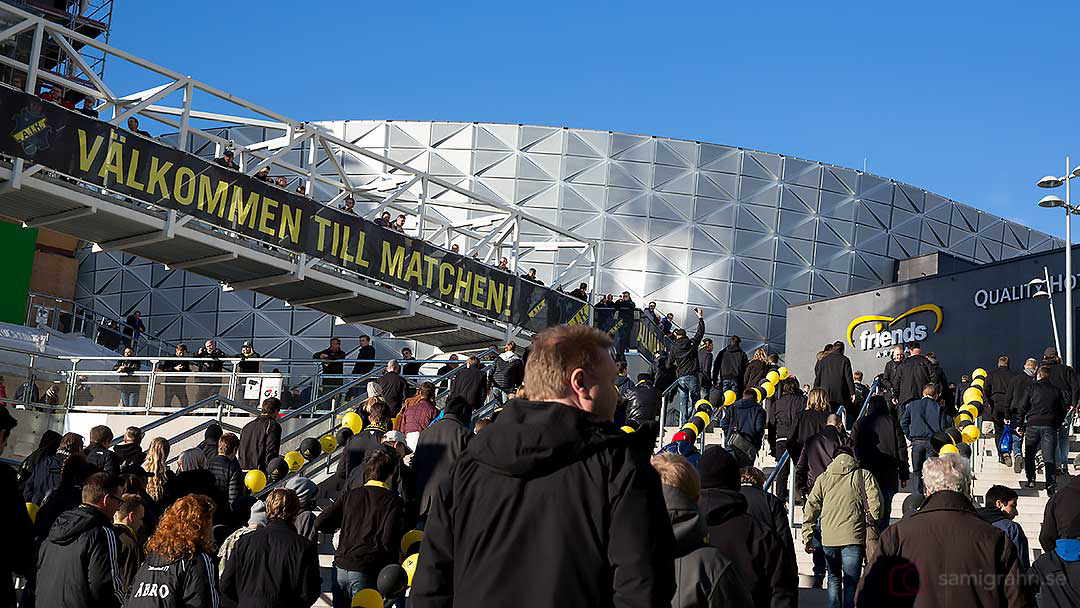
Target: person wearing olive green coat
x=835 y=504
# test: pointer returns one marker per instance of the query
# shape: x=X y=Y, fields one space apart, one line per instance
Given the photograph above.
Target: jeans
x=129 y=398
x=780 y=486
x=348 y=583
x=500 y=395
x=886 y=509
x=731 y=385
x=1042 y=438
x=920 y=451
x=688 y=395
x=821 y=568
x=845 y=567
x=1062 y=458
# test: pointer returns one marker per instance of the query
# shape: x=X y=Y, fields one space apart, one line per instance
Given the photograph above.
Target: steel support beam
x=213 y=259
x=427 y=331
x=134 y=241
x=332 y=297
x=375 y=317
x=63 y=216
x=269 y=281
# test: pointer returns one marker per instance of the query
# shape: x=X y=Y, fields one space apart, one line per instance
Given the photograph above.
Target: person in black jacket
x=260 y=439
x=129 y=453
x=17 y=555
x=744 y=428
x=561 y=449
x=946 y=394
x=684 y=358
x=1064 y=378
x=1062 y=509
x=1024 y=379
x=77 y=563
x=179 y=569
x=920 y=421
x=880 y=448
x=331 y=365
x=211 y=437
x=394 y=387
x=765 y=567
x=129 y=385
x=228 y=477
x=1056 y=573
x=47 y=446
x=889 y=381
x=705 y=365
x=371 y=519
x=833 y=373
x=914 y=373
x=364 y=443
x=273 y=567
x=46 y=475
x=644 y=403
x=444 y=384
x=365 y=358
x=248 y=367
x=470 y=385
x=175 y=386
x=1042 y=410
x=780 y=416
x=411 y=367
x=437 y=449
x=818 y=454
x=509 y=372
x=97 y=451
x=730 y=366
x=210 y=385
x=127 y=522
x=756 y=369
x=997 y=389
x=765 y=507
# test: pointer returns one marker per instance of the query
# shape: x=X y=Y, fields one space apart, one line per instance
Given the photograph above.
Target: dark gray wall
x=977 y=326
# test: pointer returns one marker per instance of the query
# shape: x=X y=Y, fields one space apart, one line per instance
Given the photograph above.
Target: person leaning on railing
x=129 y=391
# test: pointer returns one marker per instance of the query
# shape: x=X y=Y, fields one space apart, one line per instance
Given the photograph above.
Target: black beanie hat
x=718 y=469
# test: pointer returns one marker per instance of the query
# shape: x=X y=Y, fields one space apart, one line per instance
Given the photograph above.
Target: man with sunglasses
x=79 y=558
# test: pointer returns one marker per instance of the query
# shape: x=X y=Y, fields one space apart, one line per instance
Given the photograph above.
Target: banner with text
x=98 y=153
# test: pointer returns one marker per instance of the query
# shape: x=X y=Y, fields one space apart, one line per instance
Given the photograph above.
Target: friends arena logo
x=883 y=337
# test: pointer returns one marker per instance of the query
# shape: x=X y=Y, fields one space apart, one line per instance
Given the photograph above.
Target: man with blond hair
x=704 y=576
x=580 y=516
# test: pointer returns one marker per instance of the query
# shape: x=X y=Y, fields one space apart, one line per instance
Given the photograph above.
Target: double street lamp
x=1050 y=202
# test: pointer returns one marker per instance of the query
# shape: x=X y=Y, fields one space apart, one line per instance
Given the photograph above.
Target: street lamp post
x=1052 y=201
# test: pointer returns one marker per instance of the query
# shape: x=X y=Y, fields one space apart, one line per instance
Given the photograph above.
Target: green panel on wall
x=17 y=246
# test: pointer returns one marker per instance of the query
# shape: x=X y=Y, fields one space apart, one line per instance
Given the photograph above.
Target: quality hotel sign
x=985 y=298
x=886 y=332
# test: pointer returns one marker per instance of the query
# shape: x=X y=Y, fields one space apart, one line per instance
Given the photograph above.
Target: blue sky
x=973 y=101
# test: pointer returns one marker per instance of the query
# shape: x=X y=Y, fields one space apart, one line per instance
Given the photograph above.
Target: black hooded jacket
x=260 y=442
x=880 y=446
x=643 y=404
x=129 y=456
x=272 y=567
x=1042 y=404
x=579 y=519
x=684 y=352
x=914 y=373
x=816 y=456
x=437 y=448
x=731 y=364
x=101 y=458
x=189 y=582
x=1064 y=378
x=763 y=564
x=77 y=563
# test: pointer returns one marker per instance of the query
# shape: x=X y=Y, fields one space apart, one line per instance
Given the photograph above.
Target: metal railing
x=69 y=317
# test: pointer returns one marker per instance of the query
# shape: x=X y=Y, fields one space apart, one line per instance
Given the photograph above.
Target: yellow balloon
x=410 y=566
x=367 y=598
x=970 y=433
x=626 y=429
x=978 y=372
x=973 y=394
x=971 y=410
x=783 y=372
x=255 y=480
x=961 y=417
x=977 y=382
x=730 y=397
x=410 y=538
x=773 y=377
x=31 y=510
x=948 y=449
x=770 y=389
x=353 y=421
x=701 y=402
x=294 y=460
x=328 y=443
x=758 y=394
x=691 y=425
x=705 y=418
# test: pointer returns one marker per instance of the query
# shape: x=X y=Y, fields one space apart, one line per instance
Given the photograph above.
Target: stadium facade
x=743 y=234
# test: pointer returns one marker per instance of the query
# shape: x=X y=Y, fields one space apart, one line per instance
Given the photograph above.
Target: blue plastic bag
x=1005 y=441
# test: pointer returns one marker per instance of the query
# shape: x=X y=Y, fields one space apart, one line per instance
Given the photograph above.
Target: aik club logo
x=31 y=129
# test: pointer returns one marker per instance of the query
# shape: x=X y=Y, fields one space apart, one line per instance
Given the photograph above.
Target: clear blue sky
x=973 y=101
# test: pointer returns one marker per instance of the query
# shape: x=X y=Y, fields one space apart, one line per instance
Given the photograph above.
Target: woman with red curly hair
x=179 y=570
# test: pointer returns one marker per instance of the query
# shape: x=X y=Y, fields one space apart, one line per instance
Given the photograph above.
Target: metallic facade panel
x=741 y=233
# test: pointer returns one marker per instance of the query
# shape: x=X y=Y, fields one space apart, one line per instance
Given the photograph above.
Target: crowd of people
x=550 y=500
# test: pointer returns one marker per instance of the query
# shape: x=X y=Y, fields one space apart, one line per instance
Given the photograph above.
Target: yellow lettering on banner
x=415 y=268
x=243 y=211
x=86 y=159
x=185 y=177
x=323 y=223
x=345 y=257
x=479 y=282
x=266 y=214
x=214 y=200
x=132 y=164
x=459 y=284
x=392 y=264
x=509 y=299
x=446 y=285
x=495 y=297
x=336 y=243
x=290 y=223
x=157 y=177
x=359 y=257
x=114 y=161
x=431 y=263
